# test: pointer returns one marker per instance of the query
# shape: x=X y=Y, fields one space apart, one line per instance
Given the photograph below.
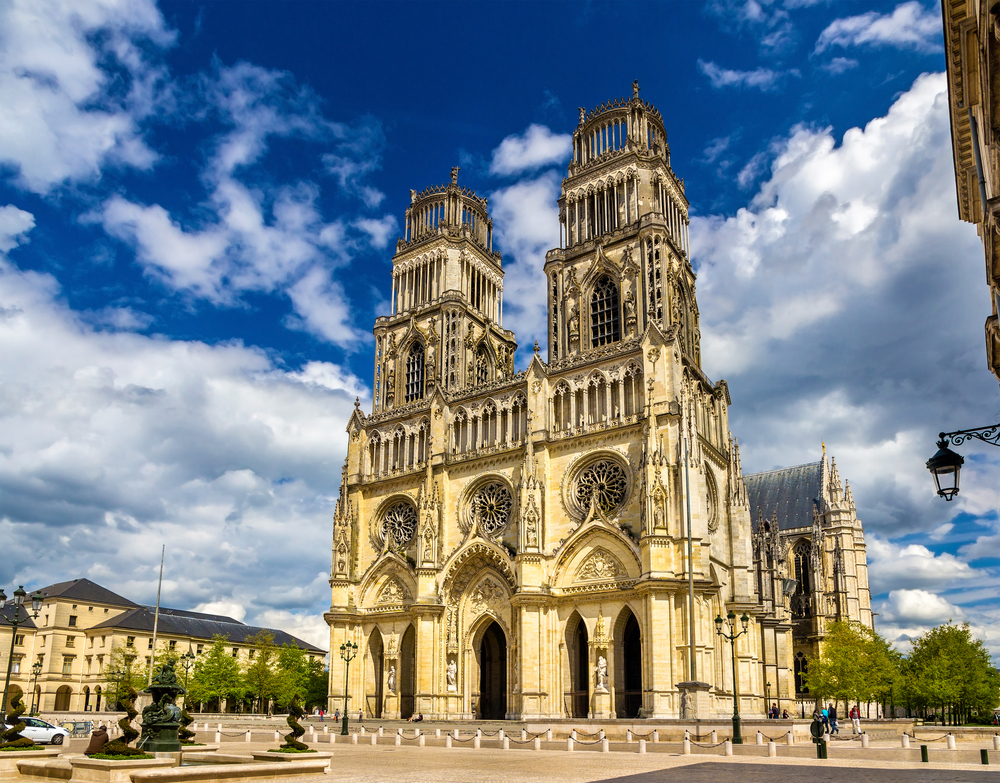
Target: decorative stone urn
x=162 y=717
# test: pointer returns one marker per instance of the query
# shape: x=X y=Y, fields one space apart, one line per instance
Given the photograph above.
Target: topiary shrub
x=184 y=734
x=120 y=748
x=292 y=738
x=12 y=738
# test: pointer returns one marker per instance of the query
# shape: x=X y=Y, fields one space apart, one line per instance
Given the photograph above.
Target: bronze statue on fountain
x=162 y=717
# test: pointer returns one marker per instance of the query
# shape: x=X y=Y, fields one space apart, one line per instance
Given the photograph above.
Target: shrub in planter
x=12 y=739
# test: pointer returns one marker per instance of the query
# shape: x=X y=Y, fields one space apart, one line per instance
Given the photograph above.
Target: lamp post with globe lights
x=15 y=620
x=36 y=669
x=347 y=652
x=732 y=636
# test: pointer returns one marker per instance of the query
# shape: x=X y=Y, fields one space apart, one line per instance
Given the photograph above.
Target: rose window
x=399 y=523
x=605 y=478
x=492 y=503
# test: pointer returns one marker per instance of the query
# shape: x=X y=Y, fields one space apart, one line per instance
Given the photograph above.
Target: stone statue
x=390 y=388
x=573 y=324
x=454 y=175
x=531 y=534
x=452 y=674
x=392 y=679
x=428 y=544
x=635 y=89
x=602 y=673
x=630 y=305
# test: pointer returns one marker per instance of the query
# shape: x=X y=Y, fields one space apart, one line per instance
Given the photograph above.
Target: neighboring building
x=79 y=626
x=513 y=544
x=972 y=51
x=806 y=529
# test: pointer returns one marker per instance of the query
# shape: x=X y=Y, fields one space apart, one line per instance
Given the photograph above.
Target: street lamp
x=36 y=669
x=187 y=661
x=347 y=652
x=15 y=620
x=732 y=636
x=767 y=699
x=946 y=465
x=892 y=698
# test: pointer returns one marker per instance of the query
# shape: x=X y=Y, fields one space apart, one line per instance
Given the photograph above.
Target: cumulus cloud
x=526 y=221
x=839 y=65
x=267 y=238
x=914 y=567
x=815 y=303
x=909 y=26
x=76 y=79
x=113 y=443
x=918 y=607
x=14 y=226
x=763 y=79
x=535 y=148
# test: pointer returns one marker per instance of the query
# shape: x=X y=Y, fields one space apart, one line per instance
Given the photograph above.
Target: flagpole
x=156 y=617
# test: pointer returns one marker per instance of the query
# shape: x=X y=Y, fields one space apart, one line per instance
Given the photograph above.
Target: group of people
x=828 y=717
x=773 y=713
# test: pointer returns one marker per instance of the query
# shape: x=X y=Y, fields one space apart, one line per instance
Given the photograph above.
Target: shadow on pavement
x=711 y=772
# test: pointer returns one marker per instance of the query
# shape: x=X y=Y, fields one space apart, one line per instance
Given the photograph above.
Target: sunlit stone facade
x=514 y=544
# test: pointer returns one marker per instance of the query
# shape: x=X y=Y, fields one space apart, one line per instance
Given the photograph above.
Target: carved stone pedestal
x=695 y=702
x=391 y=709
x=602 y=705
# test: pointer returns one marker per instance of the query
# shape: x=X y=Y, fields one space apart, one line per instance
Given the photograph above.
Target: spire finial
x=536 y=349
x=635 y=89
x=824 y=448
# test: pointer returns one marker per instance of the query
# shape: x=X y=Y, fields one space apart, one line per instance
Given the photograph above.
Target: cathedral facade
x=554 y=542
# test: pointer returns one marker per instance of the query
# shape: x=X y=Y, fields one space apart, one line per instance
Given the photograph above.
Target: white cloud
x=114 y=443
x=535 y=148
x=815 y=301
x=526 y=220
x=760 y=78
x=839 y=65
x=716 y=147
x=62 y=68
x=224 y=608
x=271 y=239
x=909 y=26
x=918 y=607
x=913 y=567
x=14 y=226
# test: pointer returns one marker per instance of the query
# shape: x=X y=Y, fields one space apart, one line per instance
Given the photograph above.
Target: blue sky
x=199 y=204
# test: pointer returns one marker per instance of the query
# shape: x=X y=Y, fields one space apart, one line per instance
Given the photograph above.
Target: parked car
x=42 y=732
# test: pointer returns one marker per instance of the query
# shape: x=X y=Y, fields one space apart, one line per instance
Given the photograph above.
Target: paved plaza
x=364 y=763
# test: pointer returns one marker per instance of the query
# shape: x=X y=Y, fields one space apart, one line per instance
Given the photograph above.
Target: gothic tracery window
x=605 y=313
x=801 y=601
x=399 y=523
x=415 y=373
x=607 y=480
x=492 y=505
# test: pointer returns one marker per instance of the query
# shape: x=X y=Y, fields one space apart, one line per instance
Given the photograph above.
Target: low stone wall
x=9 y=758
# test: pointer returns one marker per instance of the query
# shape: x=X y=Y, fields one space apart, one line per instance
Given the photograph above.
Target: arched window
x=483 y=366
x=415 y=373
x=801 y=601
x=605 y=313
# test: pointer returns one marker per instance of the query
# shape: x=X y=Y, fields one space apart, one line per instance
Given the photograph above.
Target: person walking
x=856 y=719
x=824 y=715
x=832 y=714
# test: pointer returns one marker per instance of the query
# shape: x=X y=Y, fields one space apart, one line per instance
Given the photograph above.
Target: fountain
x=162 y=717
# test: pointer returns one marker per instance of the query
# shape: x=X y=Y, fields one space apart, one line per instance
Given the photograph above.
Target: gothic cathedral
x=526 y=544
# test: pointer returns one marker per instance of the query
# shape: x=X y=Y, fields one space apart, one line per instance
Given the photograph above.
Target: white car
x=40 y=732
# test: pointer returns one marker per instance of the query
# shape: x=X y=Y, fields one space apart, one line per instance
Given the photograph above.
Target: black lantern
x=946 y=466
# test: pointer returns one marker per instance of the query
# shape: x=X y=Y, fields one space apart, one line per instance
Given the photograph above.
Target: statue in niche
x=630 y=305
x=573 y=324
x=428 y=544
x=390 y=388
x=452 y=675
x=602 y=673
x=392 y=679
x=658 y=516
x=531 y=529
x=390 y=348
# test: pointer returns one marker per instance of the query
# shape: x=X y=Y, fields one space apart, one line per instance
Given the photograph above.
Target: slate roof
x=85 y=591
x=175 y=622
x=791 y=491
x=8 y=612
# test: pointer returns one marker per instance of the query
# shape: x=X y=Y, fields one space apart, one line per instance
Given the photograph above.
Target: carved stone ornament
x=392 y=592
x=601 y=565
x=607 y=480
x=487 y=595
x=492 y=505
x=399 y=523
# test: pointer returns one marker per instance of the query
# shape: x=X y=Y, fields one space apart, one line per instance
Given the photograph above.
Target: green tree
x=260 y=675
x=855 y=665
x=123 y=671
x=216 y=675
x=317 y=684
x=951 y=671
x=293 y=674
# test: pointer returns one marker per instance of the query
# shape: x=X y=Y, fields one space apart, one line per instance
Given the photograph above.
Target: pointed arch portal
x=493 y=674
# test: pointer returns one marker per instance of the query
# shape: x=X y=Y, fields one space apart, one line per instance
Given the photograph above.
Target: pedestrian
x=832 y=714
x=856 y=719
x=824 y=715
x=97 y=740
x=773 y=714
x=361 y=715
x=336 y=714
x=784 y=714
x=322 y=714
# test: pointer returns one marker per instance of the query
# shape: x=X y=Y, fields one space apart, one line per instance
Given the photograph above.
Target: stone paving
x=663 y=763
